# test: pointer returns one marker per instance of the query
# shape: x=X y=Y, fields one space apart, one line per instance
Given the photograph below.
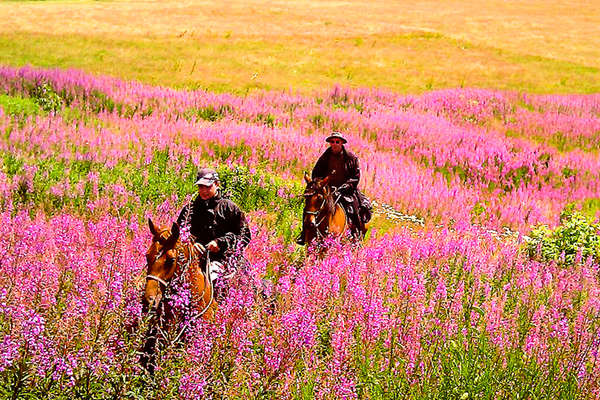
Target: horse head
x=168 y=261
x=162 y=263
x=319 y=208
x=316 y=194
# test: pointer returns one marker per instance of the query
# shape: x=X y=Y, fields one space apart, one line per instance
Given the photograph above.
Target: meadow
x=239 y=47
x=490 y=139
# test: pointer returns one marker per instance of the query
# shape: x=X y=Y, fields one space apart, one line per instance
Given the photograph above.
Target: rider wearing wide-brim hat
x=342 y=167
x=334 y=136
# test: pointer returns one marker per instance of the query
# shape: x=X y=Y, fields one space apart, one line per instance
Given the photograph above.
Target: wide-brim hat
x=336 y=135
x=206 y=177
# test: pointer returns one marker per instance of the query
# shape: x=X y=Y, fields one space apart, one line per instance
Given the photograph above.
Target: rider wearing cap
x=341 y=165
x=217 y=224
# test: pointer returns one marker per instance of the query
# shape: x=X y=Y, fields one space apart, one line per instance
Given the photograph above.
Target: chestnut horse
x=170 y=264
x=322 y=215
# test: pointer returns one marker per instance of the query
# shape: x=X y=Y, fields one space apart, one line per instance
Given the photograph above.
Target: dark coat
x=351 y=170
x=218 y=219
x=353 y=200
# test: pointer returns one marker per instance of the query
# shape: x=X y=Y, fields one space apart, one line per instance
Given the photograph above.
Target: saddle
x=356 y=204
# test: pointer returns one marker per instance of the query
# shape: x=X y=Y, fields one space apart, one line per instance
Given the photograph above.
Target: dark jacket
x=217 y=219
x=353 y=200
x=351 y=170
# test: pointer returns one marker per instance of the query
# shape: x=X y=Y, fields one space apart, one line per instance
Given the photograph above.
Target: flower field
x=446 y=310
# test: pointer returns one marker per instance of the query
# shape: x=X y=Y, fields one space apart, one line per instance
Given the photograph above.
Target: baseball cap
x=206 y=177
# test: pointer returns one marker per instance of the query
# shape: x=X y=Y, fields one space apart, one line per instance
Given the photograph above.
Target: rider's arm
x=237 y=231
x=353 y=176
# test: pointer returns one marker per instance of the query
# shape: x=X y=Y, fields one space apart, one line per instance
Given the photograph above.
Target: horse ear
x=153 y=229
x=175 y=231
x=174 y=235
x=307 y=178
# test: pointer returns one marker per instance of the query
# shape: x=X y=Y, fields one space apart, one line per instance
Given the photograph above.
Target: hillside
x=88 y=159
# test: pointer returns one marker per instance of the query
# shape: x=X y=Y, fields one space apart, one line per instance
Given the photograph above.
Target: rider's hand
x=199 y=248
x=343 y=188
x=213 y=247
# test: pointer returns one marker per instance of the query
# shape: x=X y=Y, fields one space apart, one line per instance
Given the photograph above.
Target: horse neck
x=183 y=255
x=329 y=207
x=187 y=254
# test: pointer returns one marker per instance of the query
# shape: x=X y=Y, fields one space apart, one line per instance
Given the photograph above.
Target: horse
x=322 y=215
x=171 y=262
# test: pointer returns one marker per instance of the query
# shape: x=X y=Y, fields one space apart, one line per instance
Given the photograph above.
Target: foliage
x=19 y=106
x=208 y=113
x=575 y=238
x=57 y=185
x=46 y=97
x=450 y=309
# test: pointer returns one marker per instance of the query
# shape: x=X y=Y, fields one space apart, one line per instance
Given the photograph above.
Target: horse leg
x=148 y=356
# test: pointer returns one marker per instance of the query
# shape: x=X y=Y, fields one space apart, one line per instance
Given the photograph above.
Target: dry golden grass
x=540 y=46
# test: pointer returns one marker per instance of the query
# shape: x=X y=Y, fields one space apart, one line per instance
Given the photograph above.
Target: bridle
x=316 y=213
x=182 y=274
x=159 y=255
x=154 y=277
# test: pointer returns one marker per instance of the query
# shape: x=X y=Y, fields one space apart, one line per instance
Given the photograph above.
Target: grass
x=305 y=45
x=410 y=63
x=24 y=107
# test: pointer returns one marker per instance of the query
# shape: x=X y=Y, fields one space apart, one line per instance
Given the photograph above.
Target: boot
x=358 y=228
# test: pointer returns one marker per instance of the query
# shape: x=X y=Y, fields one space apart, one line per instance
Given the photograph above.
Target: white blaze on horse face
x=311 y=220
x=156 y=257
x=315 y=205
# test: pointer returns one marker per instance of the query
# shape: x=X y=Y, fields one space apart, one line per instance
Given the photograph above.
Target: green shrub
x=99 y=101
x=19 y=106
x=265 y=119
x=263 y=191
x=148 y=186
x=46 y=97
x=576 y=233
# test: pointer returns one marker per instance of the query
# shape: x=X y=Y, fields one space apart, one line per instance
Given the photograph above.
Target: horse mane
x=184 y=249
x=317 y=186
x=329 y=203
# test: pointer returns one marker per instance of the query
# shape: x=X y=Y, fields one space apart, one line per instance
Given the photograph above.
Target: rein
x=182 y=274
x=210 y=287
x=318 y=211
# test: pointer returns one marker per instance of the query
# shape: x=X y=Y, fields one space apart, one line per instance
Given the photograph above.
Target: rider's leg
x=357 y=227
x=357 y=230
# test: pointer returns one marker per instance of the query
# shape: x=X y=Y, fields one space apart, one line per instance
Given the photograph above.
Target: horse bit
x=180 y=256
x=316 y=213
